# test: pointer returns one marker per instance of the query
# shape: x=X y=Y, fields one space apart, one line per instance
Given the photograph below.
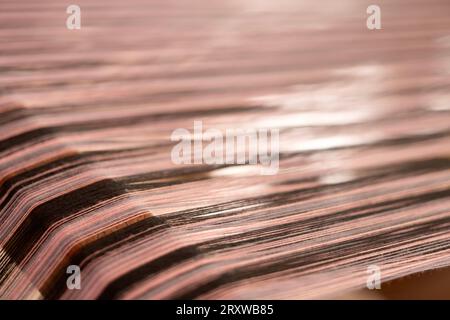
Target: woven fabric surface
x=86 y=176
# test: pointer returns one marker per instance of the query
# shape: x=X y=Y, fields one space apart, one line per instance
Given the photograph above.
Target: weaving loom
x=87 y=179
